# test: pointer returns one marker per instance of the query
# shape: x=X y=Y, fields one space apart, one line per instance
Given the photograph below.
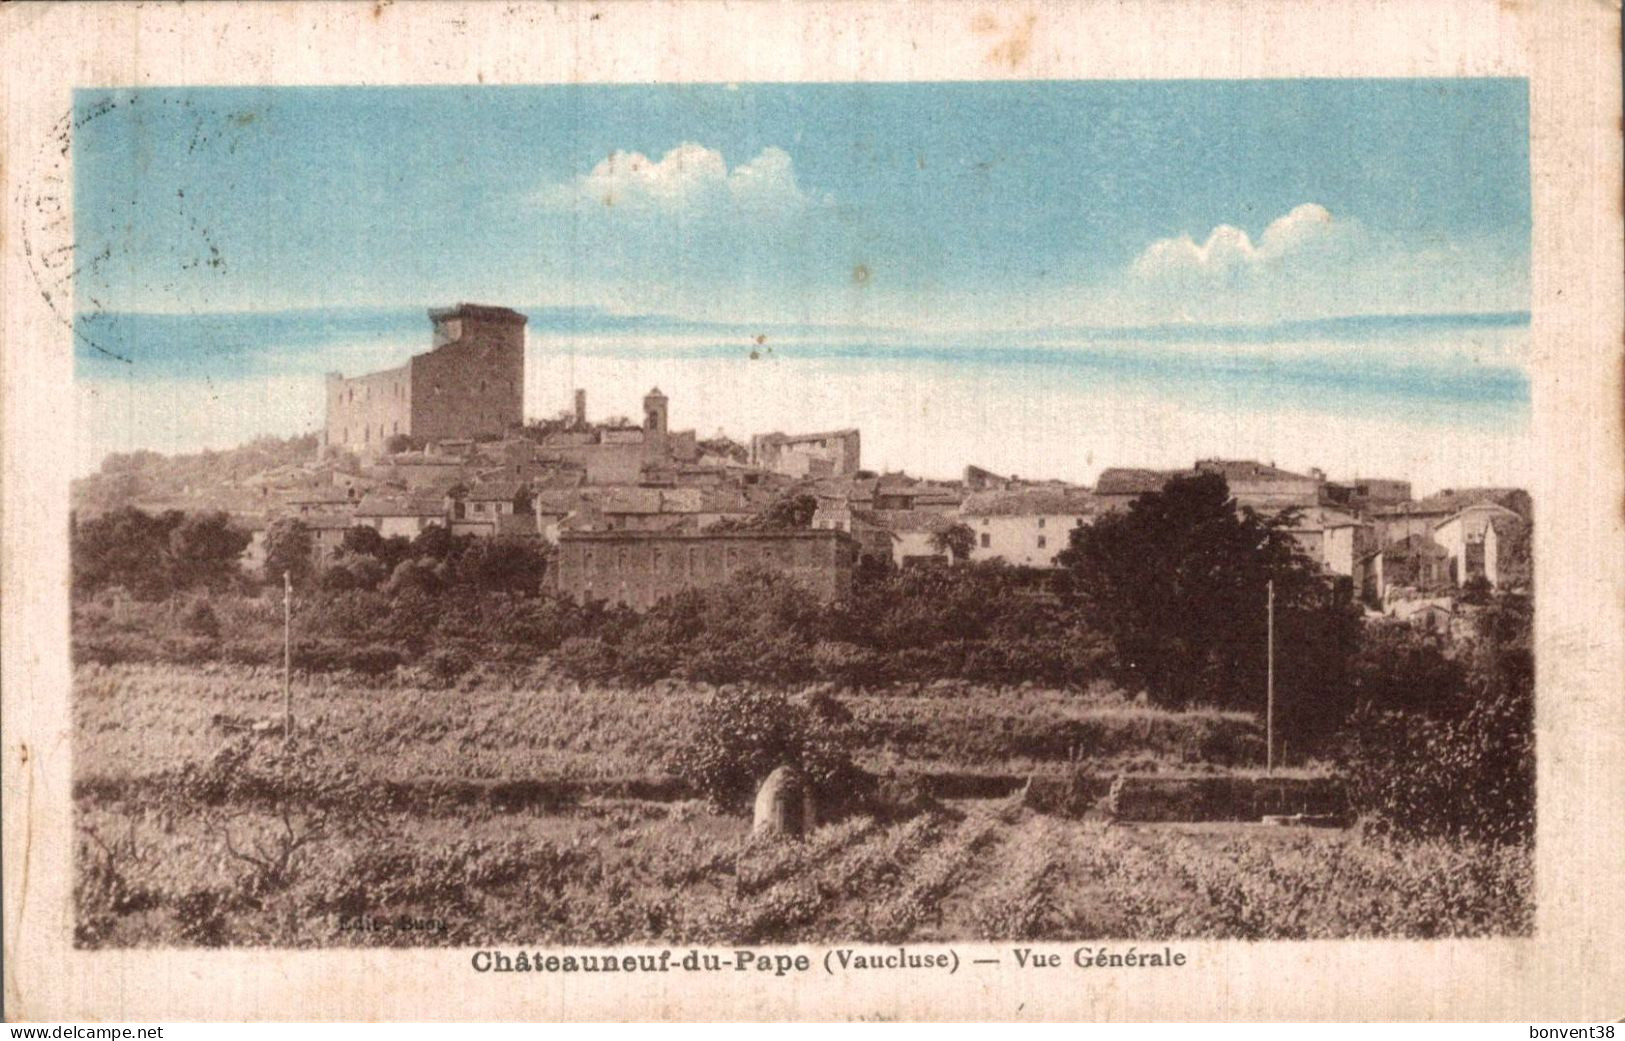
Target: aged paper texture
x=664 y=511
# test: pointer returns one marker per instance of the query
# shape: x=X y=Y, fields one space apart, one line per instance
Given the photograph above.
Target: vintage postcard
x=678 y=511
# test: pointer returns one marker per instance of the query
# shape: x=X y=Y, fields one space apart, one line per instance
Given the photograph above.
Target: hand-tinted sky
x=1321 y=273
x=989 y=204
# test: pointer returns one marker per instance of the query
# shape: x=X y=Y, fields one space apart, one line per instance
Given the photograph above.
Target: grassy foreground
x=602 y=870
x=613 y=872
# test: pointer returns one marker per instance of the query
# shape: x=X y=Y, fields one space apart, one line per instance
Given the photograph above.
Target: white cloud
x=1309 y=229
x=688 y=177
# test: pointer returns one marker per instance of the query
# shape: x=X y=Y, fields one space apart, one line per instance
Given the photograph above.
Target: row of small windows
x=400 y=390
x=366 y=392
x=1077 y=523
x=366 y=433
x=626 y=558
x=987 y=541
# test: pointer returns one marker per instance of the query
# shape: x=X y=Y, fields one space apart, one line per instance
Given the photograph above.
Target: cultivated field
x=446 y=858
x=134 y=720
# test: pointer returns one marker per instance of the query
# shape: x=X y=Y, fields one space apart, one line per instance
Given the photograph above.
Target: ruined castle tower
x=470 y=384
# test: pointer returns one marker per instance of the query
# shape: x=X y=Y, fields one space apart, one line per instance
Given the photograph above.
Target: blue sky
x=992 y=200
x=1021 y=225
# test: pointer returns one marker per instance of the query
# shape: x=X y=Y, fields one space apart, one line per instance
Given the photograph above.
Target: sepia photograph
x=857 y=514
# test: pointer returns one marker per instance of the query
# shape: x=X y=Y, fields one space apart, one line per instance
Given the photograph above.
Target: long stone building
x=639 y=568
x=470 y=384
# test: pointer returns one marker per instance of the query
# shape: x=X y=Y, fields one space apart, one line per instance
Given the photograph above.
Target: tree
x=415 y=575
x=153 y=555
x=788 y=511
x=288 y=550
x=1178 y=584
x=436 y=543
x=956 y=540
x=204 y=550
x=126 y=547
x=512 y=565
x=362 y=540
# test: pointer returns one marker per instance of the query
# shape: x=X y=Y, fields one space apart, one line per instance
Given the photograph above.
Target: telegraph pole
x=287 y=657
x=1269 y=683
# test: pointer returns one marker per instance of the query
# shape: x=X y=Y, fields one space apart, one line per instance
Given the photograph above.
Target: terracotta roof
x=1318 y=518
x=1414 y=545
x=1452 y=500
x=630 y=500
x=899 y=521
x=1129 y=481
x=388 y=506
x=724 y=500
x=322 y=497
x=495 y=491
x=1029 y=502
x=1248 y=469
x=327 y=521
x=423 y=459
x=559 y=501
x=1495 y=509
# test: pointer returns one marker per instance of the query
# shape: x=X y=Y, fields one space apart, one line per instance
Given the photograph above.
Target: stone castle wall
x=471 y=384
x=365 y=411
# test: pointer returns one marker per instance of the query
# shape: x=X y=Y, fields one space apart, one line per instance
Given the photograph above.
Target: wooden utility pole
x=287 y=657
x=1269 y=685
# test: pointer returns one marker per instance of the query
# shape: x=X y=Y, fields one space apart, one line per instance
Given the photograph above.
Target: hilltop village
x=637 y=510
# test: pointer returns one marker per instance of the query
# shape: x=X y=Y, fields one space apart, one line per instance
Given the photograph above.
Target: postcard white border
x=1574 y=968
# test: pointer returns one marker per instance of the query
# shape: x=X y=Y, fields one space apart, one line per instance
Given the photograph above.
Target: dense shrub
x=1466 y=777
x=447 y=664
x=743 y=734
x=270 y=803
x=200 y=620
x=587 y=658
x=1462 y=764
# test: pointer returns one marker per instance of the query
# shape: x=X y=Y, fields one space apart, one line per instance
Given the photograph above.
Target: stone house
x=1400 y=521
x=1028 y=527
x=1415 y=563
x=1331 y=538
x=490 y=508
x=322 y=501
x=1259 y=486
x=900 y=537
x=1472 y=537
x=1263 y=486
x=326 y=535
x=912 y=534
x=1117 y=487
x=407 y=516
